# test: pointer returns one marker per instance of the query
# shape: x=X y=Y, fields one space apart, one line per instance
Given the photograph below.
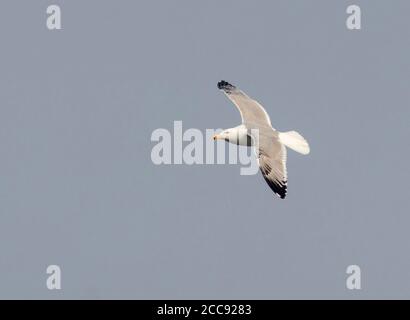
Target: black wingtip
x=278 y=188
x=223 y=85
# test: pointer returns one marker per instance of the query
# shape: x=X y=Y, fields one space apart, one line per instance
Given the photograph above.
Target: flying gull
x=269 y=143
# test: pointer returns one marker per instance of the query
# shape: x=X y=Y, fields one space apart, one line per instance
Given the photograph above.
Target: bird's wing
x=272 y=163
x=251 y=111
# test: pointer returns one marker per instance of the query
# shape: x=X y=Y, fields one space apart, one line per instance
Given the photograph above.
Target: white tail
x=294 y=141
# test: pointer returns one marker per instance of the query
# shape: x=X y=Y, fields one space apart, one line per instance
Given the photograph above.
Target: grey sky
x=78 y=188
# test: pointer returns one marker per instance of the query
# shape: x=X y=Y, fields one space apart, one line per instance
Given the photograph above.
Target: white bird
x=269 y=143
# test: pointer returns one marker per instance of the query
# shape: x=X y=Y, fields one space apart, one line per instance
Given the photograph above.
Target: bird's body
x=256 y=130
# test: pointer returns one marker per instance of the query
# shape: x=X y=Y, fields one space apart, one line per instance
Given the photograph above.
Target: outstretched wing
x=251 y=111
x=272 y=163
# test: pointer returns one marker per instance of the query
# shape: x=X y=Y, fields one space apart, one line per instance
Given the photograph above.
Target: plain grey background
x=78 y=188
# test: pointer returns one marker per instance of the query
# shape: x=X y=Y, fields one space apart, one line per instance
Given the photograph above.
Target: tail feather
x=294 y=141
